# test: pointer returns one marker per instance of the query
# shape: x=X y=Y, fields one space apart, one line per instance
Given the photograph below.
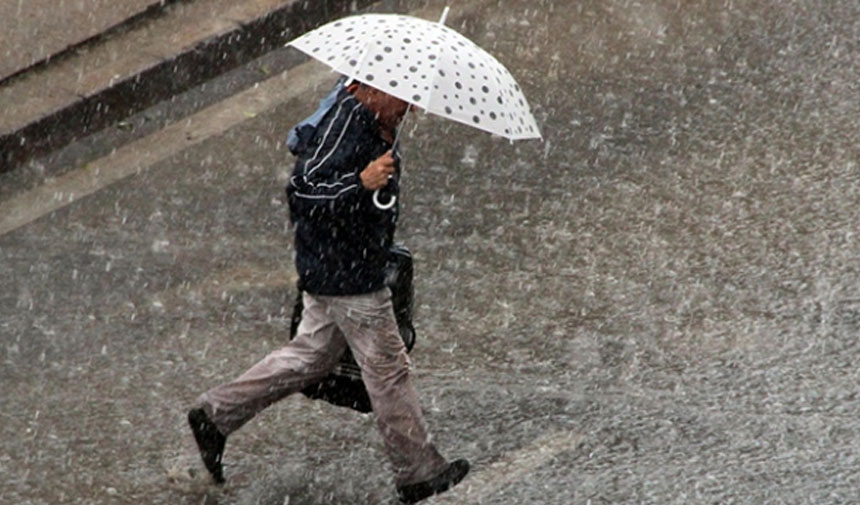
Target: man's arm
x=375 y=175
x=328 y=176
x=324 y=174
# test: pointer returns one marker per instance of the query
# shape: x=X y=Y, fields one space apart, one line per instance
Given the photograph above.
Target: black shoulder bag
x=344 y=387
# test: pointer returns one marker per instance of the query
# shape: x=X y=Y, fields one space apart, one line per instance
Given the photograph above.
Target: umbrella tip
x=444 y=15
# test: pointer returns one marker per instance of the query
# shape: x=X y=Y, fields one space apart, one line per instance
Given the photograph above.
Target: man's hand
x=377 y=173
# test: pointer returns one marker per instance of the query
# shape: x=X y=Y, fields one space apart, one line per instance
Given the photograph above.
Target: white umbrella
x=428 y=65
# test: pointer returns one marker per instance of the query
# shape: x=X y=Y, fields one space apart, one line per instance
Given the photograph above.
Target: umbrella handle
x=382 y=206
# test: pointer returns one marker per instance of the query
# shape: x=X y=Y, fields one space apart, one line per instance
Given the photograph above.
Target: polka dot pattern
x=427 y=64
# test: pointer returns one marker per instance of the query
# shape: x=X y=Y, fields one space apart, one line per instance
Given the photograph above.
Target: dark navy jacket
x=342 y=239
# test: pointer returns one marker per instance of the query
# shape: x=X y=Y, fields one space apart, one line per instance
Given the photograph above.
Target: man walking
x=342 y=241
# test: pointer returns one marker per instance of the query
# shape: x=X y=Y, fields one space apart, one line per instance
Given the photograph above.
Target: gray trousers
x=367 y=325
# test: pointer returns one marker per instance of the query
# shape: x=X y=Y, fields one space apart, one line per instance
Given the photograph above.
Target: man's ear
x=352 y=87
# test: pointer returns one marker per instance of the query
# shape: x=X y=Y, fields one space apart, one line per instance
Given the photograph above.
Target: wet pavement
x=37 y=30
x=657 y=304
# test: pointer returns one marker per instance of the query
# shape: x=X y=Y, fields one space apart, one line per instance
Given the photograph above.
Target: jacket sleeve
x=327 y=175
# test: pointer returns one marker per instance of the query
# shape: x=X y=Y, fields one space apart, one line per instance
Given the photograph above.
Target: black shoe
x=450 y=476
x=210 y=441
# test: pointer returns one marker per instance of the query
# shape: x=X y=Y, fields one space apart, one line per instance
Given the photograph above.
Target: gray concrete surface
x=657 y=305
x=37 y=30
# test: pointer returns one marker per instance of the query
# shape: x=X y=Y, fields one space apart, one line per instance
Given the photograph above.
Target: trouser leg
x=308 y=358
x=370 y=329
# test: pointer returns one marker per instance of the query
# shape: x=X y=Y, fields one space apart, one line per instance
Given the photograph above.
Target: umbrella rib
x=508 y=117
x=436 y=68
x=508 y=124
x=364 y=52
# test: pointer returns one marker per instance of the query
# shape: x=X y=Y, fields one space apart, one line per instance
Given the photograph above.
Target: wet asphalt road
x=659 y=304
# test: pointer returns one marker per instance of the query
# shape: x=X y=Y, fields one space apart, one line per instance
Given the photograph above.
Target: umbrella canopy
x=428 y=65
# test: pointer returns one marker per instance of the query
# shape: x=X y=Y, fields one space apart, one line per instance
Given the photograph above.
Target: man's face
x=389 y=109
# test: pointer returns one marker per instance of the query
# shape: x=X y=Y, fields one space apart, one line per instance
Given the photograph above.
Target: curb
x=206 y=60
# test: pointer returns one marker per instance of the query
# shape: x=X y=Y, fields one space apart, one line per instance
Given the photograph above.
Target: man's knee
x=386 y=367
x=302 y=360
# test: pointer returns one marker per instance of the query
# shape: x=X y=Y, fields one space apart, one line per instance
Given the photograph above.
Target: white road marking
x=482 y=482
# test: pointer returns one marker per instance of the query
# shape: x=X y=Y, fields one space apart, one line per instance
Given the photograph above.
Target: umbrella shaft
x=400 y=127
